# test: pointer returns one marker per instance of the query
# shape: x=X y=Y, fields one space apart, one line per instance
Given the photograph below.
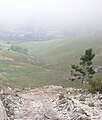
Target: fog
x=57 y=14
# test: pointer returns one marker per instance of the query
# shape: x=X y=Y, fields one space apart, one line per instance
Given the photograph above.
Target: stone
x=3 y=115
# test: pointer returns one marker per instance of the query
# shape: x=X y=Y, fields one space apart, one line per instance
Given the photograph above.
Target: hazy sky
x=55 y=13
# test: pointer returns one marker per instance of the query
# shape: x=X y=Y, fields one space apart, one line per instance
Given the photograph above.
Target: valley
x=35 y=64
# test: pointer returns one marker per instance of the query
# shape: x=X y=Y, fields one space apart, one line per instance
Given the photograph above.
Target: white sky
x=51 y=12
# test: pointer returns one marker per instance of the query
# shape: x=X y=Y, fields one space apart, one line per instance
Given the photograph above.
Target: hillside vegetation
x=47 y=62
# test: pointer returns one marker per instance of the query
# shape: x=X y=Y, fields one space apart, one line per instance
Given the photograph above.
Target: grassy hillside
x=65 y=52
x=16 y=71
x=57 y=56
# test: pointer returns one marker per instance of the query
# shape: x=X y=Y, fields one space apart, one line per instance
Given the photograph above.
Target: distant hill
x=23 y=34
x=36 y=33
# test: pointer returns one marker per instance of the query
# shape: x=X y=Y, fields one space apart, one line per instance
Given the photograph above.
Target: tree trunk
x=82 y=82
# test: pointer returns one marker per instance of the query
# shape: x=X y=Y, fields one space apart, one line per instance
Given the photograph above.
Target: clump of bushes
x=95 y=85
x=91 y=105
x=18 y=49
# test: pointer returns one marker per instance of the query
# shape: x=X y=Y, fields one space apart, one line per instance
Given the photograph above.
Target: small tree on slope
x=84 y=70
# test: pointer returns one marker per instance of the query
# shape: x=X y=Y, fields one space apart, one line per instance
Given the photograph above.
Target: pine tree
x=84 y=71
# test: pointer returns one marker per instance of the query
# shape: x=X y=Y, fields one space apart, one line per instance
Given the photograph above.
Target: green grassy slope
x=17 y=72
x=58 y=56
x=65 y=52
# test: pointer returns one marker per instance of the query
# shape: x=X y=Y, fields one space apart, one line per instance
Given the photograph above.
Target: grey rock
x=3 y=115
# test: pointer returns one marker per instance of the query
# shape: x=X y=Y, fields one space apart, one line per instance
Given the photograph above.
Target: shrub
x=95 y=85
x=91 y=105
x=61 y=96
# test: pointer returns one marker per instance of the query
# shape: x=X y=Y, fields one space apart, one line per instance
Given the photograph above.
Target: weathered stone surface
x=44 y=104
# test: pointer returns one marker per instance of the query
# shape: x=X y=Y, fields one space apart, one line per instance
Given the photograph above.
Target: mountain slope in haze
x=66 y=51
x=24 y=34
x=30 y=33
x=57 y=56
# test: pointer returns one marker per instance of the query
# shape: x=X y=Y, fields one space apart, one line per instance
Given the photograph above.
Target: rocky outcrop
x=3 y=115
x=52 y=103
